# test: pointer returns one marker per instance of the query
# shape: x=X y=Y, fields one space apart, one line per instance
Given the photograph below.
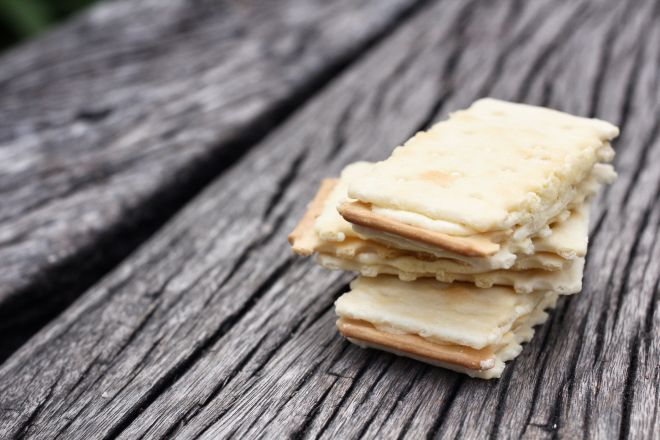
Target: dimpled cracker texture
x=566 y=237
x=493 y=167
x=494 y=322
x=560 y=255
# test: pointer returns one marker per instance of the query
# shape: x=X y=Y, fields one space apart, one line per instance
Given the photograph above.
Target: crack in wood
x=628 y=391
x=445 y=407
x=503 y=386
x=284 y=183
x=545 y=54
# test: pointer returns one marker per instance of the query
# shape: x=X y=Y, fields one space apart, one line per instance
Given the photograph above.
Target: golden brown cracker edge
x=467 y=357
x=360 y=214
x=302 y=238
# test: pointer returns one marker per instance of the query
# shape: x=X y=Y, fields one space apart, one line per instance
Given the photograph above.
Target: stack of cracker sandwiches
x=465 y=235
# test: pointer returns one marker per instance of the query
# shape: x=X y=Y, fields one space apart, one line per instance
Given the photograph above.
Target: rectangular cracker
x=569 y=242
x=496 y=166
x=372 y=259
x=462 y=328
x=458 y=313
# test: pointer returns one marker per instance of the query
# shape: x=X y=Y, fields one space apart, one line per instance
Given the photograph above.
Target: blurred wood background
x=155 y=154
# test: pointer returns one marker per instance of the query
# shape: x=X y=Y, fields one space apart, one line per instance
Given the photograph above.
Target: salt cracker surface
x=568 y=237
x=488 y=168
x=460 y=314
x=511 y=344
x=372 y=259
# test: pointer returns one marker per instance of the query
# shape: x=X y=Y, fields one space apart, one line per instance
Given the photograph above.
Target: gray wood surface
x=213 y=329
x=108 y=125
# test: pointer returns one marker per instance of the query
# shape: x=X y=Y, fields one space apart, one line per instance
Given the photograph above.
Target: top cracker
x=493 y=167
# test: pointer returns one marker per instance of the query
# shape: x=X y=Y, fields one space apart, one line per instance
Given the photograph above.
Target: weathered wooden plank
x=110 y=124
x=212 y=328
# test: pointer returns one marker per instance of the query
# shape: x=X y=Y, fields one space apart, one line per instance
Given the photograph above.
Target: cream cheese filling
x=415 y=219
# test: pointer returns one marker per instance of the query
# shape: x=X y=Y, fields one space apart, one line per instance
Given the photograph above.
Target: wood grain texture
x=213 y=329
x=111 y=123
